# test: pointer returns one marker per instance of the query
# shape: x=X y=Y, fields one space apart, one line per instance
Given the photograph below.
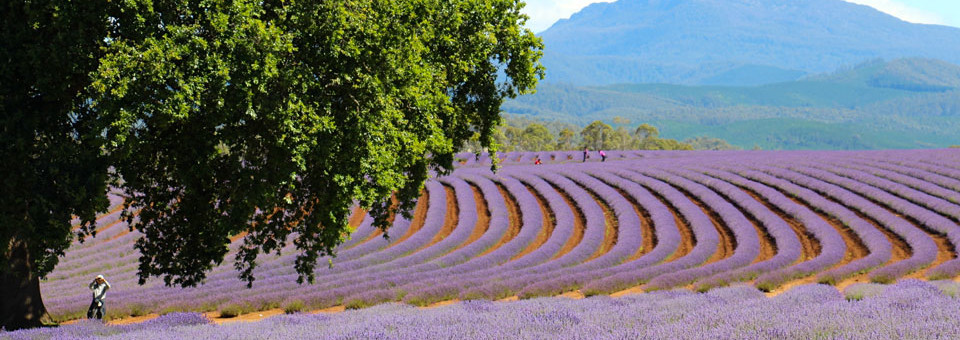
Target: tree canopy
x=536 y=137
x=267 y=119
x=520 y=134
x=596 y=136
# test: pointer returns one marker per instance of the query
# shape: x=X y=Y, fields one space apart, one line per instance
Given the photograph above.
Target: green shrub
x=419 y=301
x=767 y=287
x=234 y=310
x=171 y=309
x=137 y=309
x=70 y=316
x=267 y=305
x=885 y=279
x=355 y=304
x=828 y=280
x=295 y=306
x=588 y=292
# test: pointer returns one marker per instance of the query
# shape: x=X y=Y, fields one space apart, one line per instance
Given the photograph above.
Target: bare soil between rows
x=810 y=246
x=419 y=219
x=546 y=228
x=579 y=224
x=450 y=219
x=483 y=218
x=513 y=214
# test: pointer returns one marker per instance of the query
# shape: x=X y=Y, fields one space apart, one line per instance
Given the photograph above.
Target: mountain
x=730 y=42
x=903 y=103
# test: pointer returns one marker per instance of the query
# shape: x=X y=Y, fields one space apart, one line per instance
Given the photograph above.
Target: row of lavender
x=908 y=310
x=880 y=197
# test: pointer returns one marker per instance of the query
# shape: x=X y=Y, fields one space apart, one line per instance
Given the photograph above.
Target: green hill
x=905 y=103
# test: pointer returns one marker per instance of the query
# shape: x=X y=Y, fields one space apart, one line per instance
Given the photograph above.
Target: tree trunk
x=21 y=305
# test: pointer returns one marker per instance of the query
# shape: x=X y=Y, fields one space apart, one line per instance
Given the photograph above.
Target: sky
x=544 y=13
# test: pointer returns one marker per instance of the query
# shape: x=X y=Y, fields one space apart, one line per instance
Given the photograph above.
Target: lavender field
x=642 y=221
x=910 y=309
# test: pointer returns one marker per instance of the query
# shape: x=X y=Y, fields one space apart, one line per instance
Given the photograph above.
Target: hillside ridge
x=730 y=42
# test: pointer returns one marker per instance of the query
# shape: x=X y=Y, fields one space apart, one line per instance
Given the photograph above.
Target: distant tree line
x=521 y=134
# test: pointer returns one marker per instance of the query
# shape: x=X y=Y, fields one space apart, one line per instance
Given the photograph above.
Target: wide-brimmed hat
x=99 y=276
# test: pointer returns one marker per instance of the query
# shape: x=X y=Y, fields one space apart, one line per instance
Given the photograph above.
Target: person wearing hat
x=99 y=286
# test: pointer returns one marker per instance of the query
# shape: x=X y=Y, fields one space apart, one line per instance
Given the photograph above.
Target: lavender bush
x=910 y=309
x=912 y=194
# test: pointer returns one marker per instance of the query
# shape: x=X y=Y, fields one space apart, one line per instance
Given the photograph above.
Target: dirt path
x=419 y=218
x=546 y=229
x=123 y=232
x=355 y=220
x=513 y=211
x=450 y=219
x=576 y=295
x=440 y=304
x=810 y=248
x=628 y=291
x=768 y=246
x=687 y=239
x=727 y=240
x=611 y=226
x=483 y=217
x=647 y=231
x=579 y=224
x=378 y=232
x=855 y=248
x=115 y=210
x=358 y=215
x=945 y=252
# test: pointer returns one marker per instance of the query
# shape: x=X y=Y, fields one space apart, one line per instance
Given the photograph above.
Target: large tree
x=536 y=137
x=596 y=136
x=53 y=165
x=216 y=118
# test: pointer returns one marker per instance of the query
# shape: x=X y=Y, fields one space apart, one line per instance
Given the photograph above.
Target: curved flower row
x=580 y=226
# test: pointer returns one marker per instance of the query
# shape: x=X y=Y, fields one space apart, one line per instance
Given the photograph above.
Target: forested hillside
x=903 y=103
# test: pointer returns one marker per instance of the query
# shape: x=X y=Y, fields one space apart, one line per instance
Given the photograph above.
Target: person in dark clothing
x=586 y=154
x=99 y=286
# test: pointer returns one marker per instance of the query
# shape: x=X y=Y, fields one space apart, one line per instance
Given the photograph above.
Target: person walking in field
x=586 y=154
x=603 y=156
x=99 y=286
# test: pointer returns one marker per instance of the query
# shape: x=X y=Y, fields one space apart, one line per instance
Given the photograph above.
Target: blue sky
x=544 y=13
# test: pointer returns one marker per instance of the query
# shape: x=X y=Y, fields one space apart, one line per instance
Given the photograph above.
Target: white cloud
x=904 y=12
x=544 y=13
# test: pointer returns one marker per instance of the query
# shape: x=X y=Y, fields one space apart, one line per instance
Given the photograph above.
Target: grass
x=234 y=310
x=356 y=304
x=295 y=306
